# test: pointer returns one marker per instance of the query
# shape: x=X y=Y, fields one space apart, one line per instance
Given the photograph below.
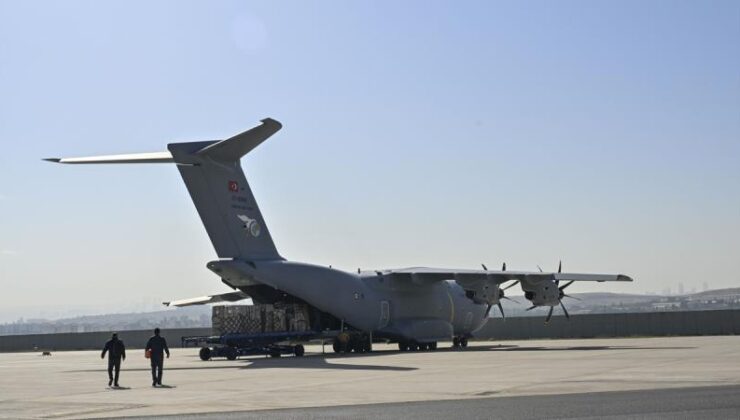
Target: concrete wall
x=92 y=340
x=580 y=326
x=722 y=322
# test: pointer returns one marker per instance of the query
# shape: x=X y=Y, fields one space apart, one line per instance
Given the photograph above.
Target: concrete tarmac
x=74 y=384
x=705 y=403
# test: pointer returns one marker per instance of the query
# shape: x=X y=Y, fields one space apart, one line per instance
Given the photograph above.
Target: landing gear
x=459 y=342
x=347 y=343
x=299 y=350
x=205 y=354
x=416 y=346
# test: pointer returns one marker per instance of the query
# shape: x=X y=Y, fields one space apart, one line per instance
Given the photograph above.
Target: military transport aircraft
x=415 y=307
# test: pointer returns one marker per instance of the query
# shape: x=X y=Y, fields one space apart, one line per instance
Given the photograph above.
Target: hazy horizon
x=422 y=133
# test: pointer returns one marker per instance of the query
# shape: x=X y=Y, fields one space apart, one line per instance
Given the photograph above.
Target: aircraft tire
x=205 y=354
x=455 y=342
x=231 y=353
x=403 y=346
x=433 y=345
x=463 y=342
x=336 y=346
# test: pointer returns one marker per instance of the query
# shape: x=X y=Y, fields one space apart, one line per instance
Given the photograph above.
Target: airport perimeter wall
x=722 y=322
x=92 y=340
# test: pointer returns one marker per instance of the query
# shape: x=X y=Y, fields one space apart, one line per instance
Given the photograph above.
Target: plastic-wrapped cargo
x=298 y=317
x=227 y=319
x=268 y=315
x=279 y=320
x=252 y=319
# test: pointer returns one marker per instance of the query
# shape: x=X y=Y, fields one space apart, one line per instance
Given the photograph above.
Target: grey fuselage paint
x=428 y=312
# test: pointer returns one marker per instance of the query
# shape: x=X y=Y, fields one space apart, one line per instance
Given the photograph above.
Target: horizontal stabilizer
x=155 y=157
x=226 y=297
x=235 y=147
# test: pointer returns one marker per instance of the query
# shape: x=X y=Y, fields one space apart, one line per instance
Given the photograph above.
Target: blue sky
x=415 y=133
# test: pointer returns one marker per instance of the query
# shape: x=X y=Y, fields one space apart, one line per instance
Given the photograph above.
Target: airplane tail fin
x=215 y=180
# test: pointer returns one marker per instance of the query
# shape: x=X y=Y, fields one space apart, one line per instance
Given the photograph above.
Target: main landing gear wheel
x=455 y=342
x=463 y=342
x=205 y=354
x=403 y=346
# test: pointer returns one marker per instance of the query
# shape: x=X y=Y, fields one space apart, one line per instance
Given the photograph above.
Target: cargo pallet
x=234 y=345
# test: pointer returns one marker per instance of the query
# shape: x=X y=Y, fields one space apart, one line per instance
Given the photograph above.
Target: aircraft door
x=385 y=314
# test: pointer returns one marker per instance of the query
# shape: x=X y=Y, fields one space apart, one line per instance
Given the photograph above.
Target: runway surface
x=517 y=378
x=706 y=403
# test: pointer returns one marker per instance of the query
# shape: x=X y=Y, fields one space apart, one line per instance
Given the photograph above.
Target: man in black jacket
x=157 y=346
x=116 y=352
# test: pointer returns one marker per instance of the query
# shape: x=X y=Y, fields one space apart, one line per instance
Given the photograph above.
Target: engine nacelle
x=486 y=292
x=542 y=293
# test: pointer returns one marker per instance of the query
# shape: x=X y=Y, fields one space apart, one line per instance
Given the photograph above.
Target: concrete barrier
x=92 y=340
x=726 y=322
x=722 y=322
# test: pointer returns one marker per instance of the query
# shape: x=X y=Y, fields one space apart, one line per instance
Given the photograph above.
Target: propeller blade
x=560 y=266
x=488 y=310
x=572 y=297
x=501 y=308
x=508 y=298
x=565 y=311
x=484 y=267
x=503 y=267
x=566 y=285
x=549 y=315
x=531 y=307
x=539 y=268
x=511 y=285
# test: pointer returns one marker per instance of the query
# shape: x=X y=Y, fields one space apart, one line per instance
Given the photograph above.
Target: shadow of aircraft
x=323 y=360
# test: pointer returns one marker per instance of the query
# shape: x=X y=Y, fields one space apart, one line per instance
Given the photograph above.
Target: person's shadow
x=165 y=386
x=118 y=388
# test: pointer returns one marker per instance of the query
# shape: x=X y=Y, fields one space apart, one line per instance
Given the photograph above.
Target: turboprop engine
x=486 y=292
x=547 y=293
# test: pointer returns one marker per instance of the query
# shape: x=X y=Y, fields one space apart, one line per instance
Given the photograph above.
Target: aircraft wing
x=424 y=275
x=202 y=300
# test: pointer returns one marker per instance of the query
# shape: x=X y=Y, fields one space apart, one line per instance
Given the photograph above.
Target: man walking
x=157 y=347
x=116 y=352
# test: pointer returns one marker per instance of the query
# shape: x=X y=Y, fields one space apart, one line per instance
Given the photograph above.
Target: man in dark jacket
x=116 y=352
x=157 y=346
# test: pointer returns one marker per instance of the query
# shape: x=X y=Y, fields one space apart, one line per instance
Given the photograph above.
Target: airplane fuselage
x=368 y=301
